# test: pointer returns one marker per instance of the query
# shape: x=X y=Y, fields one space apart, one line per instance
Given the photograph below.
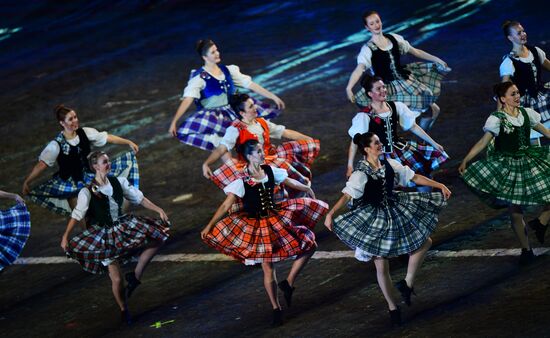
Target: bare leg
x=270 y=284
x=117 y=285
x=146 y=257
x=516 y=216
x=415 y=260
x=384 y=280
x=298 y=265
x=544 y=216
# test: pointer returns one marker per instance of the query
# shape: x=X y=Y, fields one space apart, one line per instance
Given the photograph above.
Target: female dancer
x=266 y=232
x=294 y=156
x=418 y=85
x=69 y=149
x=514 y=173
x=382 y=117
x=113 y=238
x=210 y=87
x=15 y=228
x=524 y=66
x=384 y=223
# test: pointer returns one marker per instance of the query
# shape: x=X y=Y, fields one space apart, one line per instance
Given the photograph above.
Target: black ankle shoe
x=540 y=229
x=133 y=283
x=395 y=317
x=125 y=317
x=277 y=317
x=527 y=257
x=405 y=290
x=287 y=291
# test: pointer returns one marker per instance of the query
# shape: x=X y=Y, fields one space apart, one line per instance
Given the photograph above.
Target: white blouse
x=356 y=182
x=492 y=124
x=196 y=84
x=232 y=133
x=360 y=123
x=507 y=66
x=237 y=187
x=365 y=54
x=50 y=153
x=131 y=193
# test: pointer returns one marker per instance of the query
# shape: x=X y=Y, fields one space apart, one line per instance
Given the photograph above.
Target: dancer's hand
x=134 y=146
x=163 y=215
x=439 y=147
x=64 y=243
x=310 y=192
x=206 y=171
x=18 y=199
x=328 y=221
x=349 y=94
x=349 y=171
x=280 y=103
x=26 y=189
x=462 y=168
x=446 y=192
x=173 y=130
x=205 y=232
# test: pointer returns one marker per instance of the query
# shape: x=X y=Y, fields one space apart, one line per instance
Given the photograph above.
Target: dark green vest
x=99 y=211
x=511 y=142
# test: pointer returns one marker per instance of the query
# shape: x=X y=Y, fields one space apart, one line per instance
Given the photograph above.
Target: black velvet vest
x=524 y=76
x=382 y=62
x=258 y=199
x=99 y=210
x=75 y=162
x=386 y=129
x=379 y=190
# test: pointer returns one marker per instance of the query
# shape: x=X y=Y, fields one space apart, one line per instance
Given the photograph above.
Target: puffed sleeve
x=275 y=130
x=131 y=193
x=82 y=204
x=492 y=125
x=98 y=139
x=507 y=67
x=236 y=188
x=359 y=124
x=194 y=87
x=364 y=56
x=403 y=173
x=534 y=117
x=50 y=153
x=279 y=174
x=230 y=137
x=541 y=54
x=355 y=185
x=404 y=45
x=406 y=116
x=240 y=79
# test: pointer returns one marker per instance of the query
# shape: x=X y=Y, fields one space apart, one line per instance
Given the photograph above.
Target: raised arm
x=419 y=53
x=476 y=149
x=418 y=131
x=38 y=168
x=120 y=140
x=212 y=158
x=264 y=92
x=341 y=202
x=294 y=135
x=351 y=158
x=353 y=79
x=222 y=210
x=184 y=105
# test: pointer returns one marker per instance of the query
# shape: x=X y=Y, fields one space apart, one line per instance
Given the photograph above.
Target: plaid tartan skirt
x=418 y=92
x=286 y=233
x=97 y=247
x=399 y=227
x=53 y=194
x=422 y=158
x=15 y=228
x=504 y=179
x=541 y=104
x=205 y=128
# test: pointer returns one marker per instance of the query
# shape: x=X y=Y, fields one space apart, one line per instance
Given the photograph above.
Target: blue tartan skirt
x=400 y=226
x=15 y=229
x=54 y=193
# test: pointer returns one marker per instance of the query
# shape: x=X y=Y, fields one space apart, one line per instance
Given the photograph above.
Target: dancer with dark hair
x=382 y=118
x=515 y=173
x=384 y=223
x=70 y=149
x=113 y=238
x=15 y=228
x=210 y=87
x=295 y=156
x=265 y=231
x=417 y=85
x=524 y=66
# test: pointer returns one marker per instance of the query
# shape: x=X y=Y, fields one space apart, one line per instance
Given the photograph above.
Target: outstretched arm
x=418 y=131
x=476 y=149
x=423 y=180
x=222 y=210
x=294 y=135
x=353 y=79
x=351 y=158
x=146 y=203
x=35 y=172
x=212 y=158
x=341 y=202
x=264 y=92
x=542 y=129
x=419 y=53
x=184 y=105
x=120 y=140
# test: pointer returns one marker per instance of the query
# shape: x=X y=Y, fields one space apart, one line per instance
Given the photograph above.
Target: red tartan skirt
x=98 y=246
x=286 y=233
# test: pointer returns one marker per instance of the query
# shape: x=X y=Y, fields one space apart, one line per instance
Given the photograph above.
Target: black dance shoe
x=133 y=283
x=287 y=291
x=527 y=257
x=395 y=317
x=277 y=318
x=125 y=317
x=405 y=290
x=540 y=229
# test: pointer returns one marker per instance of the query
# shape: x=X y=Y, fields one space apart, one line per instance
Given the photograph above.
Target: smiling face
x=70 y=123
x=212 y=55
x=512 y=97
x=375 y=147
x=373 y=24
x=517 y=35
x=256 y=156
x=378 y=92
x=103 y=165
x=249 y=112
